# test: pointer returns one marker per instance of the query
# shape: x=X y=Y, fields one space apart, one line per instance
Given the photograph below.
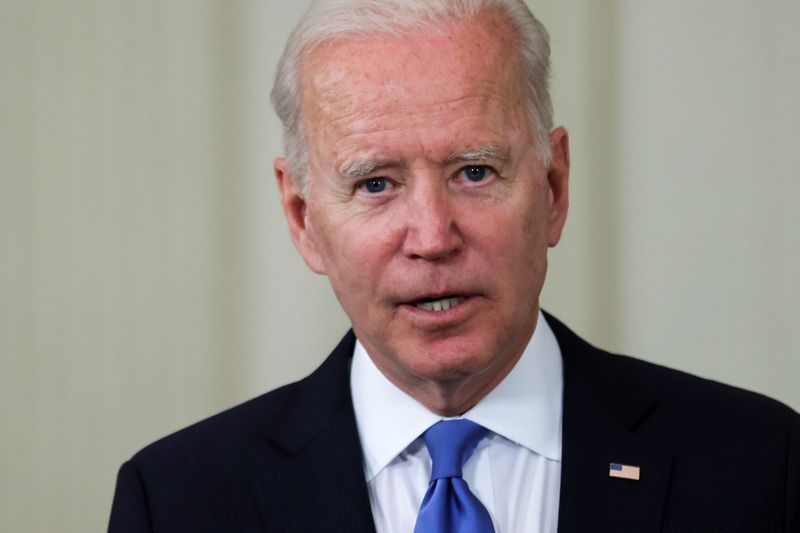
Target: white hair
x=329 y=19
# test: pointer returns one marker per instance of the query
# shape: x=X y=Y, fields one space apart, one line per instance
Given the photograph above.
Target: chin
x=452 y=359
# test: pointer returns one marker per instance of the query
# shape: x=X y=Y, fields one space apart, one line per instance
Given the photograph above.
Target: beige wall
x=683 y=244
x=146 y=279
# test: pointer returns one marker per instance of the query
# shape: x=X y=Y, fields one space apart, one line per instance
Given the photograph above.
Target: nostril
x=432 y=231
x=433 y=241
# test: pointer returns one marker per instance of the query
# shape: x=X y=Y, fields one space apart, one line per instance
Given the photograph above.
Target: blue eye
x=375 y=185
x=475 y=173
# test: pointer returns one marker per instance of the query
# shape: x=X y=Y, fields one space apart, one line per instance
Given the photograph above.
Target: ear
x=295 y=209
x=558 y=180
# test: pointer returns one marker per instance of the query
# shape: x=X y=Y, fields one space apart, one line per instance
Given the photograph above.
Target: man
x=424 y=178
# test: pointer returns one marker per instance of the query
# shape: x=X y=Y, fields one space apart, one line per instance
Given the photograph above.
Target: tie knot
x=451 y=443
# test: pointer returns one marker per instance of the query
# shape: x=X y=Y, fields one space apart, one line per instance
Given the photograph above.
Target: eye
x=475 y=173
x=375 y=185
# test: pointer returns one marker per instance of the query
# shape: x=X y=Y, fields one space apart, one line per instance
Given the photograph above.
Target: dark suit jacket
x=713 y=458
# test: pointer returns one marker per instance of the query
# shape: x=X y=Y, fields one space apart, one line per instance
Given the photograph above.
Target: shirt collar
x=524 y=408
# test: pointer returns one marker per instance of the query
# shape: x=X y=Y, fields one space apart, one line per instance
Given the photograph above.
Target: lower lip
x=442 y=318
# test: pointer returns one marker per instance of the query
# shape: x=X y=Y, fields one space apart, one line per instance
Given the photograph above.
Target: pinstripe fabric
x=713 y=458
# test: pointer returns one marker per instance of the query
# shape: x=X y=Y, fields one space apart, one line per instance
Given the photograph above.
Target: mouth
x=439 y=304
x=441 y=310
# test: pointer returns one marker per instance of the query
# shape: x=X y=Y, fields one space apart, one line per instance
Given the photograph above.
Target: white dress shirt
x=515 y=471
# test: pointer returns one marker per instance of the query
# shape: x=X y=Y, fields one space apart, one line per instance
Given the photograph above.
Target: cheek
x=514 y=245
x=534 y=245
x=535 y=215
x=511 y=228
x=355 y=249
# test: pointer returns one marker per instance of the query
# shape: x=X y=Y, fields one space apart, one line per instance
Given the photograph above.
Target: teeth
x=440 y=305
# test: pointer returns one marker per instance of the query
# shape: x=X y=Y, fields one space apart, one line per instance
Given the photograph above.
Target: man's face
x=429 y=207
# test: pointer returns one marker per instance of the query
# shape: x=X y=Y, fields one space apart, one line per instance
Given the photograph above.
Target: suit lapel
x=322 y=481
x=322 y=485
x=605 y=405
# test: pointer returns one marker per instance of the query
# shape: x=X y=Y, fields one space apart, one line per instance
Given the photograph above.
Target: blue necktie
x=449 y=506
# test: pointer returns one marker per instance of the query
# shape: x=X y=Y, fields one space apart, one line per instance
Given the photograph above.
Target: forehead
x=460 y=73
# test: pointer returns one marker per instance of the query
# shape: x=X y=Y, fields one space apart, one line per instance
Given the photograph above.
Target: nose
x=432 y=229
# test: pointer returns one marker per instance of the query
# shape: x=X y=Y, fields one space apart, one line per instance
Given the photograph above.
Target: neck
x=455 y=395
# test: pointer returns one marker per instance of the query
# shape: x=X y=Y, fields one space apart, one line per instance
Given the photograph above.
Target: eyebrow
x=360 y=169
x=482 y=153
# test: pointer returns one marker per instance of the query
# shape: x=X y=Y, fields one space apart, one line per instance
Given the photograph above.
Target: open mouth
x=438 y=304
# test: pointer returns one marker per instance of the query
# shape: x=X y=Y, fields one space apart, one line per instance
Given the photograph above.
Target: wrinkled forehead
x=468 y=58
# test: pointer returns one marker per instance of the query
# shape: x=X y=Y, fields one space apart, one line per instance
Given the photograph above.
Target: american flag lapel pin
x=623 y=471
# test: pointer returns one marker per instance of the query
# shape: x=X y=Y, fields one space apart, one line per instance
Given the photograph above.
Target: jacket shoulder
x=698 y=397
x=219 y=474
x=287 y=409
x=228 y=432
x=670 y=388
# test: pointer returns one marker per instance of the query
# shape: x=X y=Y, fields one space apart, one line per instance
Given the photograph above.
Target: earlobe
x=558 y=182
x=295 y=208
